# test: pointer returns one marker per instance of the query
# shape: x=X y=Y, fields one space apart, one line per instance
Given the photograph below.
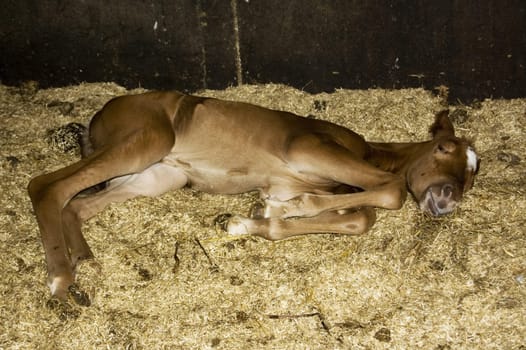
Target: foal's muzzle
x=439 y=199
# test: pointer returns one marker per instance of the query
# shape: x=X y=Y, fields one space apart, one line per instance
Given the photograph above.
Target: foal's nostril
x=442 y=204
x=447 y=190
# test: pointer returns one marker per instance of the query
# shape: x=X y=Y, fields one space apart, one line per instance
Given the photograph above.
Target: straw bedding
x=166 y=277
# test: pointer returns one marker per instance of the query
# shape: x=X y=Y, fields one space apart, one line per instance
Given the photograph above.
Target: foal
x=313 y=176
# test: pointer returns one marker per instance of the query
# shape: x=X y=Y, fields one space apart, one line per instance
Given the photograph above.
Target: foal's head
x=443 y=169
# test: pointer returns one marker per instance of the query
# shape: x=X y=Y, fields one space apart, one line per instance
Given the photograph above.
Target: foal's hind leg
x=50 y=193
x=153 y=181
x=72 y=219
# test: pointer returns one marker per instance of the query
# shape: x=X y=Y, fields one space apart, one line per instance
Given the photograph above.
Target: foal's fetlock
x=59 y=283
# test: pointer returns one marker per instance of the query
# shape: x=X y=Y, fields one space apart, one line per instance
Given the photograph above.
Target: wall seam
x=237 y=46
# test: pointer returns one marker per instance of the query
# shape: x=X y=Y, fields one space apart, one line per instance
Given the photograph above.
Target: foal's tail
x=86 y=148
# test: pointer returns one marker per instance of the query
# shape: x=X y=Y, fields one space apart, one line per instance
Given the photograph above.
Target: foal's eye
x=446 y=147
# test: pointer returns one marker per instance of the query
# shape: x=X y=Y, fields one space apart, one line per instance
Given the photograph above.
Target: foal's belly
x=220 y=174
x=272 y=177
x=225 y=181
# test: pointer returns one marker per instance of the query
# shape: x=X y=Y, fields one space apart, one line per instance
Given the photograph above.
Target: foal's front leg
x=389 y=196
x=315 y=156
x=275 y=228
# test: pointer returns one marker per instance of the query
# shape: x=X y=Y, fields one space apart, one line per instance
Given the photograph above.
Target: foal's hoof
x=222 y=221
x=64 y=310
x=89 y=274
x=67 y=307
x=257 y=211
x=79 y=296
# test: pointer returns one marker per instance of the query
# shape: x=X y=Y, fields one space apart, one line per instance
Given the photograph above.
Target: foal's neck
x=395 y=157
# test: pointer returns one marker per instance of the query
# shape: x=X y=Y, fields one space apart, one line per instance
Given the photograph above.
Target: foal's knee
x=364 y=220
x=392 y=198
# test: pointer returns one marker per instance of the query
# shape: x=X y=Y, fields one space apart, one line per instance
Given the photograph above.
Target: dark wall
x=476 y=48
x=155 y=44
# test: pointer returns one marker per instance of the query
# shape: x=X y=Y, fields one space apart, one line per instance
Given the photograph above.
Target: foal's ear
x=442 y=125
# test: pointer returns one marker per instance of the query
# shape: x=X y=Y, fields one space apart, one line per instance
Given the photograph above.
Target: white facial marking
x=471 y=164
